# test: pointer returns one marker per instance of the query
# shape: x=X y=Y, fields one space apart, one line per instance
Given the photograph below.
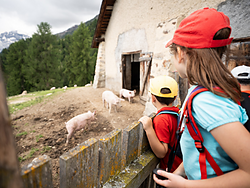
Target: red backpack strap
x=196 y=135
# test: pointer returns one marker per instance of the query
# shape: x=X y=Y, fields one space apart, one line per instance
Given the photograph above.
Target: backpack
x=175 y=151
x=196 y=135
x=246 y=104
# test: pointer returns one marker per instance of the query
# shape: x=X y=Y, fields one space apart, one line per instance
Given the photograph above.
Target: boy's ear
x=153 y=98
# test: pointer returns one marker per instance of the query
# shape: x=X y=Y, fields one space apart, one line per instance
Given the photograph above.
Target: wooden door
x=145 y=69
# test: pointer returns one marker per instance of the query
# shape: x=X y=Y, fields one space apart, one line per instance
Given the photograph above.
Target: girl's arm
x=160 y=149
x=180 y=170
x=234 y=139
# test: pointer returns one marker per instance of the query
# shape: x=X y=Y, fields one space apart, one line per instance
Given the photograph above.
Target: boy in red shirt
x=242 y=73
x=161 y=132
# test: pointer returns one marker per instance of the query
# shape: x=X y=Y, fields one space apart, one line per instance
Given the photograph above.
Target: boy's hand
x=146 y=122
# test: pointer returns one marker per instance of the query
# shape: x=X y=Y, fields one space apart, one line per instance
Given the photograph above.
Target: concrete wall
x=145 y=25
x=99 y=79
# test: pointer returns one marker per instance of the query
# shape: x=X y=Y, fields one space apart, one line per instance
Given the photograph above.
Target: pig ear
x=134 y=91
x=94 y=112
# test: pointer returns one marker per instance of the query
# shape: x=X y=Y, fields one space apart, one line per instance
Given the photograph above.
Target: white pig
x=78 y=122
x=111 y=99
x=127 y=94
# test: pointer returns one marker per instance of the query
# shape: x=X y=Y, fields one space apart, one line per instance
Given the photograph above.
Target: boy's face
x=153 y=99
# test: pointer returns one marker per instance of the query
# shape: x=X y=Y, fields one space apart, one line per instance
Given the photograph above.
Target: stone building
x=130 y=37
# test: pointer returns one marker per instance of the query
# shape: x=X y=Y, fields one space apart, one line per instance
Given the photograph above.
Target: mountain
x=8 y=38
x=71 y=30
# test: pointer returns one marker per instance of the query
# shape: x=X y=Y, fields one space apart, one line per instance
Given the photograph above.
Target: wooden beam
x=9 y=165
x=241 y=39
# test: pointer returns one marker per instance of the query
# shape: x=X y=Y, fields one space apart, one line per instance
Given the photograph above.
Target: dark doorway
x=131 y=71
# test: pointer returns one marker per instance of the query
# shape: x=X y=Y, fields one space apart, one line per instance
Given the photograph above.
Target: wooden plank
x=9 y=165
x=241 y=39
x=132 y=52
x=146 y=77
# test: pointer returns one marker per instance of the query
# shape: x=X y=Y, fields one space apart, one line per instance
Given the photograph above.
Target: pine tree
x=43 y=56
x=81 y=61
x=3 y=62
x=15 y=61
x=65 y=60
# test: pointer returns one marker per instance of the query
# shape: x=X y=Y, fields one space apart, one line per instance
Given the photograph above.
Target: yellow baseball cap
x=160 y=82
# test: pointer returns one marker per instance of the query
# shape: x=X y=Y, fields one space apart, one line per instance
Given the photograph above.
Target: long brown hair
x=205 y=68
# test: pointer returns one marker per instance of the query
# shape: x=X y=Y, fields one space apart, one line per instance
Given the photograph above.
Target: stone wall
x=99 y=79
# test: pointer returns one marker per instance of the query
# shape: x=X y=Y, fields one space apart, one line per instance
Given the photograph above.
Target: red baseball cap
x=198 y=29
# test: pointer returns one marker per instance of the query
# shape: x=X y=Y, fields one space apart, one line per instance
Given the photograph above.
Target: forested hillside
x=46 y=61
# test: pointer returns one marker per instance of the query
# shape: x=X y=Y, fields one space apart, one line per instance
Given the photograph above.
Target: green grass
x=31 y=153
x=22 y=133
x=45 y=148
x=38 y=137
x=39 y=96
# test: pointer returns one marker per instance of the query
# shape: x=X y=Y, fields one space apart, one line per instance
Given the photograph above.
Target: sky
x=23 y=16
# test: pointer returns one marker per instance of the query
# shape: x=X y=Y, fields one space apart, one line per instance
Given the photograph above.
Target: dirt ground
x=44 y=124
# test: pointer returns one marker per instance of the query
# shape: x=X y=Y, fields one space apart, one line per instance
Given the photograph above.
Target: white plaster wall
x=139 y=25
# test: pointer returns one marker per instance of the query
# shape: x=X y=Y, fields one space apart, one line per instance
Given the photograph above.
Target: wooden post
x=10 y=176
x=183 y=89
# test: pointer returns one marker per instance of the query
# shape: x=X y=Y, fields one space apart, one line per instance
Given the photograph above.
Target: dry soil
x=44 y=124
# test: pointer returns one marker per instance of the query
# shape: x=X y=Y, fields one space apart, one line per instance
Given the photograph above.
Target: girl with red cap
x=220 y=156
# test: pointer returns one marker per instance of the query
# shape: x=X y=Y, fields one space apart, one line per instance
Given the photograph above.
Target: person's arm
x=180 y=171
x=160 y=149
x=234 y=139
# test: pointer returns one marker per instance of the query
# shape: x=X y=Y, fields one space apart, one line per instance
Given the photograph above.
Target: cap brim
x=169 y=43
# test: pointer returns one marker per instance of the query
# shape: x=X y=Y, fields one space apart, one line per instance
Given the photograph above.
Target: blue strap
x=167 y=112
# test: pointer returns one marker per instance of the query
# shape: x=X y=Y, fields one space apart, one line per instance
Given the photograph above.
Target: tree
x=92 y=27
x=81 y=61
x=15 y=61
x=3 y=62
x=65 y=59
x=43 y=58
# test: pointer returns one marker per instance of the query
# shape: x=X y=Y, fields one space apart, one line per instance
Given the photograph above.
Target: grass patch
x=21 y=159
x=38 y=137
x=46 y=148
x=31 y=153
x=38 y=96
x=22 y=133
x=19 y=106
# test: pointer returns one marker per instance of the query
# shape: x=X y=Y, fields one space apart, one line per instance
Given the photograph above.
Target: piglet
x=127 y=94
x=111 y=99
x=78 y=122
